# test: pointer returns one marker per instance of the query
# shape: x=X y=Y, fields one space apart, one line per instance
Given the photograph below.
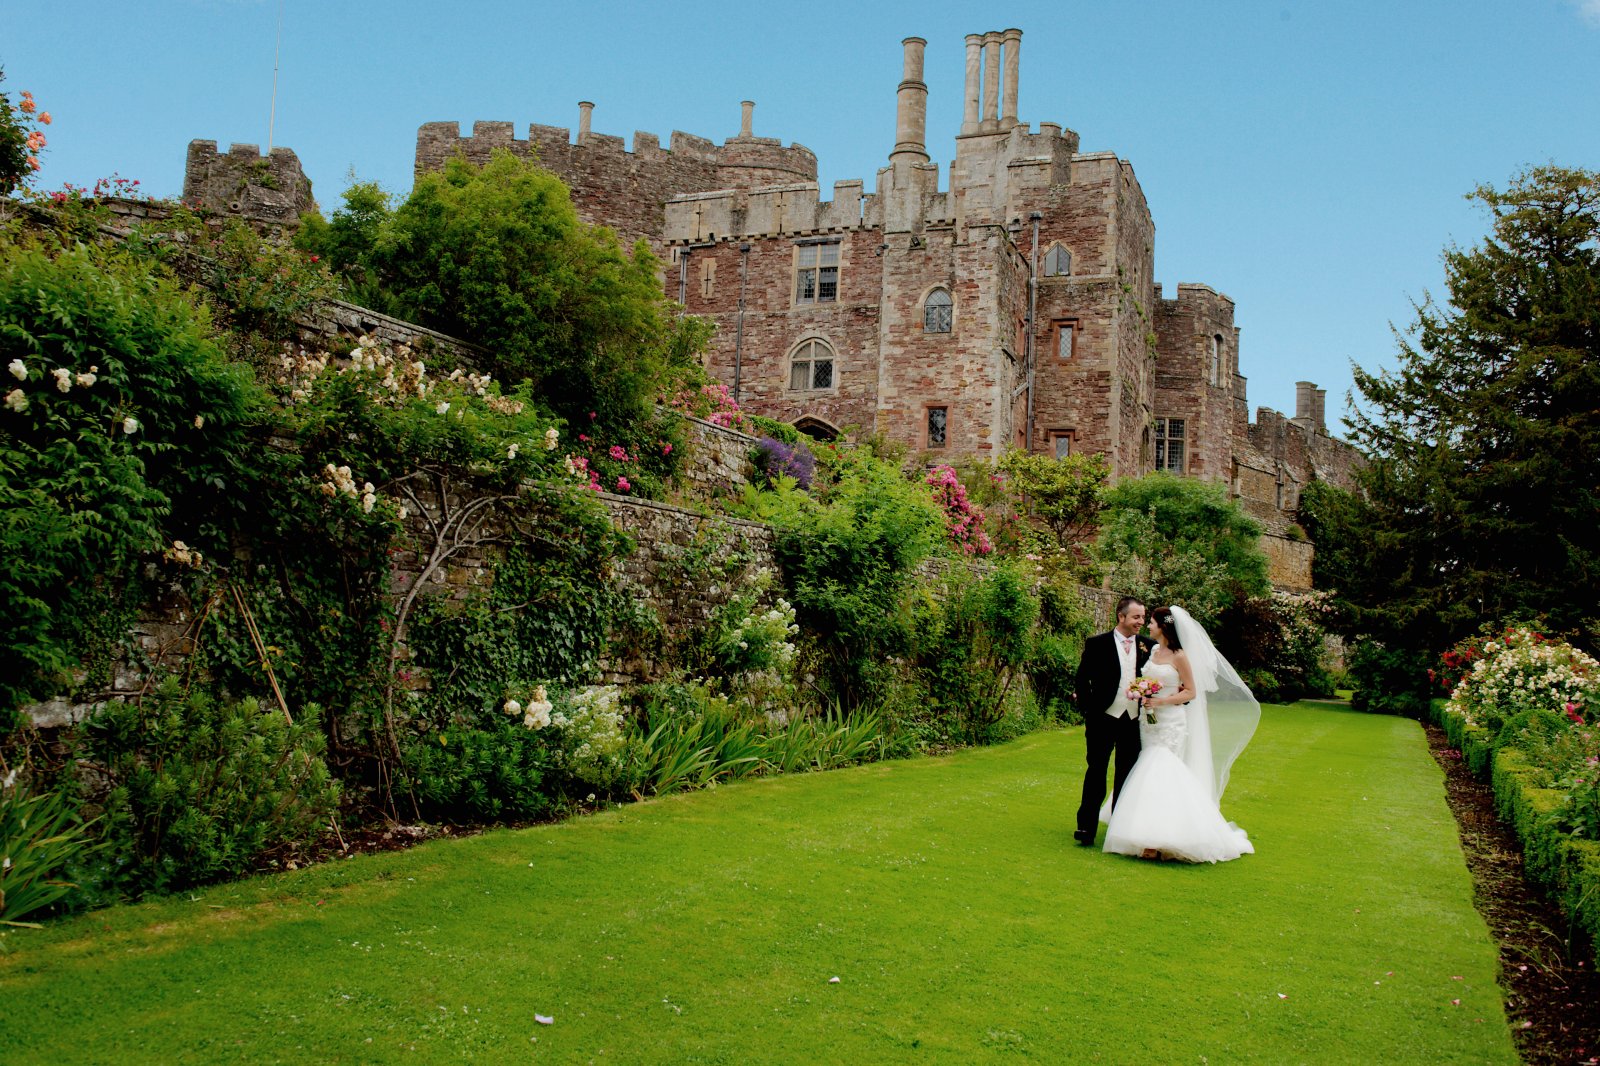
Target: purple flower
x=791 y=460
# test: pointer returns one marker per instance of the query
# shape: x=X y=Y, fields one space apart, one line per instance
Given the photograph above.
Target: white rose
x=443 y=406
x=513 y=708
x=19 y=369
x=511 y=452
x=85 y=380
x=551 y=436
x=16 y=401
x=63 y=379
x=130 y=425
x=199 y=421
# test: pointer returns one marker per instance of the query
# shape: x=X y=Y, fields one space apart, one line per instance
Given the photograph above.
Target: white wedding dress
x=1164 y=804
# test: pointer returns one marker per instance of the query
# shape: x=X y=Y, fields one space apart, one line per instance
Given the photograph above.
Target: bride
x=1190 y=732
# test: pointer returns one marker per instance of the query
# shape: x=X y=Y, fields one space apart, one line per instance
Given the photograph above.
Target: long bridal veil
x=1224 y=714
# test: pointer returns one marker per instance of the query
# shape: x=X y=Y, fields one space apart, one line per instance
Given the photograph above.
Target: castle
x=1016 y=308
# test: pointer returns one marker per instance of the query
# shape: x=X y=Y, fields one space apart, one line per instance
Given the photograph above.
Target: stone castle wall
x=625 y=190
x=243 y=183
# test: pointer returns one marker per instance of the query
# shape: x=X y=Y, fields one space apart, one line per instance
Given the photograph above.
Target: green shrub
x=123 y=431
x=202 y=789
x=1053 y=671
x=1388 y=680
x=1170 y=539
x=971 y=640
x=41 y=839
x=848 y=561
x=1264 y=685
x=470 y=774
x=1284 y=634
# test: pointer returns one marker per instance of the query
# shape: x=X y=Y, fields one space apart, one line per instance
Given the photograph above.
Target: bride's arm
x=1185 y=693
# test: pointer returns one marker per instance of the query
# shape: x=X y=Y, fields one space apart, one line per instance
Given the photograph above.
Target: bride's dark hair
x=1162 y=616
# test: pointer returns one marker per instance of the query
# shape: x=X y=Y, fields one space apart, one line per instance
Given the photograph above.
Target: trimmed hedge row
x=1567 y=866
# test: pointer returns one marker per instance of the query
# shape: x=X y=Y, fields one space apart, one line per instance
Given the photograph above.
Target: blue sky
x=1308 y=159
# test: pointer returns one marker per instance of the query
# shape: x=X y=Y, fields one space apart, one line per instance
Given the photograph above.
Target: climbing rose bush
x=964 y=519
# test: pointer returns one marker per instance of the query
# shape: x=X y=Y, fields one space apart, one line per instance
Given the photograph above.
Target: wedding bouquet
x=1141 y=689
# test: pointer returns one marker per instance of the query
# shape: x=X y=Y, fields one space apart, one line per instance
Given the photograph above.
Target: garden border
x=1567 y=867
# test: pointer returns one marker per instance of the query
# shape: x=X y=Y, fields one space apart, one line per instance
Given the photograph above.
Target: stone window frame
x=1165 y=440
x=926 y=431
x=1056 y=437
x=1217 y=350
x=815 y=250
x=1055 y=251
x=1073 y=328
x=949 y=307
x=807 y=344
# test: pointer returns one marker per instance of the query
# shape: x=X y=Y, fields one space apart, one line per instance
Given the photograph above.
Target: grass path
x=945 y=894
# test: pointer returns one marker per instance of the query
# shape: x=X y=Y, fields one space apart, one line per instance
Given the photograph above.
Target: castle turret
x=270 y=189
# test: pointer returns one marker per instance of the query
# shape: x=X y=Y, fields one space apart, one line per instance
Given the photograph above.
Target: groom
x=1109 y=664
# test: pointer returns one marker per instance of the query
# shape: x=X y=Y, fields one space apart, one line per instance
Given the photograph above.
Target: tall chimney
x=991 y=81
x=1319 y=410
x=969 y=114
x=911 y=114
x=1008 y=100
x=1304 y=398
x=745 y=107
x=585 y=110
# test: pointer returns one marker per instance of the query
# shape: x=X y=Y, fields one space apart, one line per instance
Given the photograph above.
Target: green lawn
x=945 y=894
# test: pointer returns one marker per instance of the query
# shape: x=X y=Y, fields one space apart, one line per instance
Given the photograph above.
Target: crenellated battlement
x=268 y=188
x=625 y=187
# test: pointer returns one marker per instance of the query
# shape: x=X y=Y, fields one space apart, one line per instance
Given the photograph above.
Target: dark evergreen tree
x=1481 y=497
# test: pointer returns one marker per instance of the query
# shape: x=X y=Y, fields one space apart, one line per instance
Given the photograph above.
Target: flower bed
x=1518 y=716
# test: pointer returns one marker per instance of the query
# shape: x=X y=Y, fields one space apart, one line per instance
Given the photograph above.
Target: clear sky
x=1307 y=159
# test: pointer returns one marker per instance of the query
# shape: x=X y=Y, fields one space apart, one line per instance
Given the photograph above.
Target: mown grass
x=945 y=894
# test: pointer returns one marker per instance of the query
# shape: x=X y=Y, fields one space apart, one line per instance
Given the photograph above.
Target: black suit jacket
x=1100 y=670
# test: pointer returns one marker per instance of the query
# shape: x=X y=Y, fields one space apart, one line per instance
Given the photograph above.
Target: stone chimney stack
x=1319 y=410
x=1008 y=99
x=747 y=108
x=585 y=112
x=911 y=114
x=991 y=82
x=1305 y=393
x=969 y=115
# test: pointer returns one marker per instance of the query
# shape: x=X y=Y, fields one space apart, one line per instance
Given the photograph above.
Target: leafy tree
x=1169 y=539
x=1065 y=495
x=346 y=240
x=1485 y=437
x=497 y=255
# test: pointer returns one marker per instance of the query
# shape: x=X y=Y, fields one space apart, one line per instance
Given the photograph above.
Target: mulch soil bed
x=1548 y=975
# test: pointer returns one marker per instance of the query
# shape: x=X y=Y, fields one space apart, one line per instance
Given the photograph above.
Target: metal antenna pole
x=272 y=114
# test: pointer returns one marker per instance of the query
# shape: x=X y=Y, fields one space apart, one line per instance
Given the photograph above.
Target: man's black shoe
x=1086 y=839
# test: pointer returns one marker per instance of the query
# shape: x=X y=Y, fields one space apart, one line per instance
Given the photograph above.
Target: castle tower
x=271 y=189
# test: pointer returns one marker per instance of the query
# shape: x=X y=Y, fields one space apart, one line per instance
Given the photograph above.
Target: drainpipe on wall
x=683 y=276
x=738 y=337
x=1033 y=303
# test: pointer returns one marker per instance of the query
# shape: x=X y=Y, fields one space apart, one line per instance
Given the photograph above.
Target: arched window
x=816 y=428
x=937 y=312
x=1057 y=262
x=811 y=366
